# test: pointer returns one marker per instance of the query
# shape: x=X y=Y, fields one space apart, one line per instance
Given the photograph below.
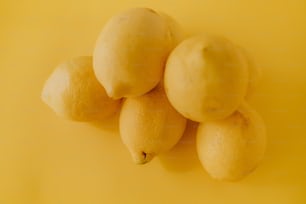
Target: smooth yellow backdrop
x=47 y=160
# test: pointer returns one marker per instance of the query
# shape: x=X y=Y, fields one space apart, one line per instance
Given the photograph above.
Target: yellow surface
x=44 y=159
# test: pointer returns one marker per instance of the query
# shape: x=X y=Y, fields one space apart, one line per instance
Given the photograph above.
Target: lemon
x=206 y=78
x=73 y=92
x=149 y=125
x=231 y=148
x=131 y=51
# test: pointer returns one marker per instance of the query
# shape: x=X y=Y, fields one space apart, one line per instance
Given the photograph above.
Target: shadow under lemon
x=109 y=124
x=182 y=157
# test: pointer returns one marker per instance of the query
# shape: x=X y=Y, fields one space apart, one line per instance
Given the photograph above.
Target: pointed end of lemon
x=118 y=90
x=113 y=94
x=142 y=157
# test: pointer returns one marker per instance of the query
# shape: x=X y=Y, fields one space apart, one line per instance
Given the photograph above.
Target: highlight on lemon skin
x=149 y=125
x=131 y=51
x=206 y=78
x=230 y=149
x=73 y=92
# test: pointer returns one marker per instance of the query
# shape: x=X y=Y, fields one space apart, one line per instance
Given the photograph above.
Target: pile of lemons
x=144 y=65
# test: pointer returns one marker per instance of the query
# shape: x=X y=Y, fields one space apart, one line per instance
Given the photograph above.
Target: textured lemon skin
x=206 y=78
x=73 y=92
x=149 y=125
x=231 y=148
x=131 y=51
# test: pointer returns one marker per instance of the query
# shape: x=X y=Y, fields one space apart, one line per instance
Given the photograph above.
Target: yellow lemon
x=231 y=148
x=73 y=92
x=149 y=125
x=206 y=78
x=131 y=51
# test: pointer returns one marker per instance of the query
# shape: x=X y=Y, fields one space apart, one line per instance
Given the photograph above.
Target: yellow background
x=47 y=160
